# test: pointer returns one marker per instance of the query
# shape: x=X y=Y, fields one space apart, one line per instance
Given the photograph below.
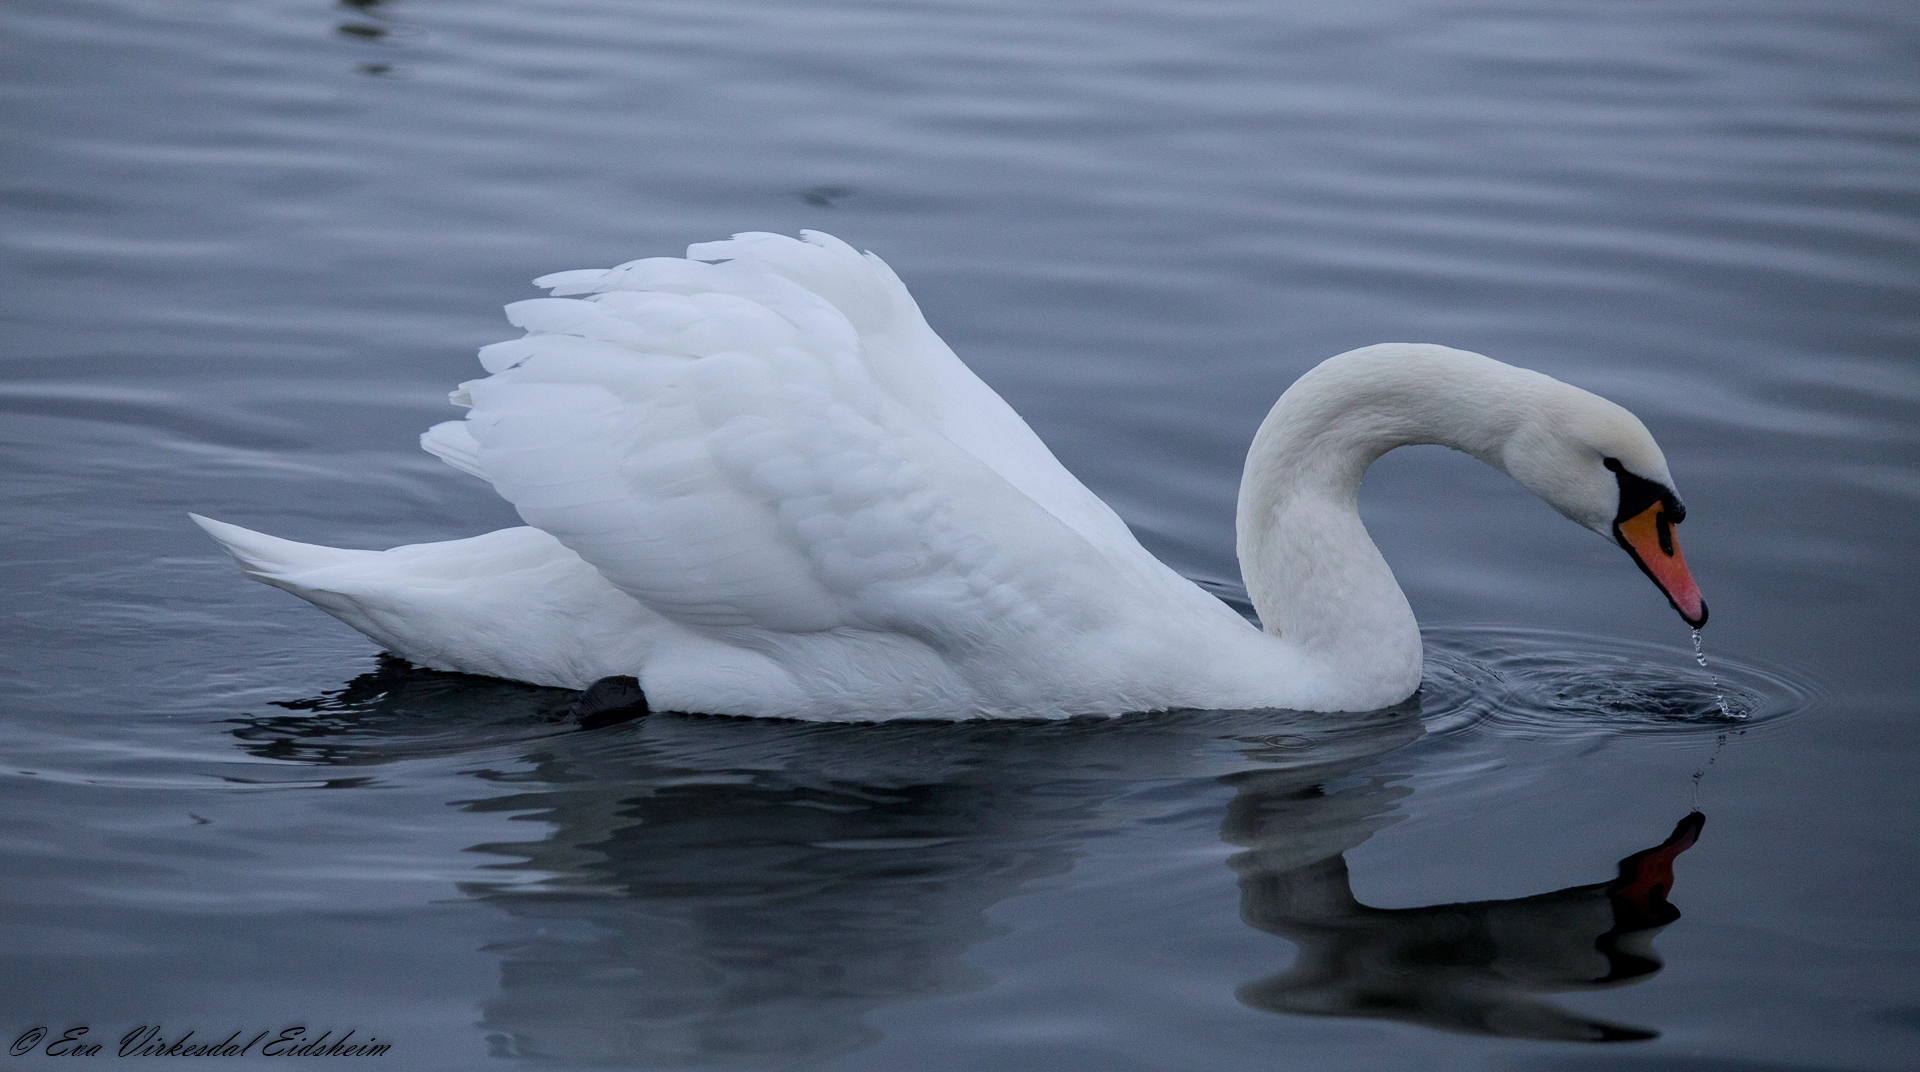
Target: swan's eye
x=1637 y=493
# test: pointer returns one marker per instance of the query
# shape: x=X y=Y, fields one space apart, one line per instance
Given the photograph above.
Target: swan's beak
x=1648 y=537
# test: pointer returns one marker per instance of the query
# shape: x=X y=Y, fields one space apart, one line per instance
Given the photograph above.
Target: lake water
x=249 y=245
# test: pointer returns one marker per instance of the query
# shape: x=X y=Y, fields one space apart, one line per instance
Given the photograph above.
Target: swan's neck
x=1315 y=577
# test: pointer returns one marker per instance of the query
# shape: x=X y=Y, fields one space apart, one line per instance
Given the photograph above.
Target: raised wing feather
x=840 y=286
x=776 y=445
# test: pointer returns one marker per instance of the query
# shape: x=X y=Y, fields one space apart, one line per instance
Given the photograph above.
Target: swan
x=756 y=481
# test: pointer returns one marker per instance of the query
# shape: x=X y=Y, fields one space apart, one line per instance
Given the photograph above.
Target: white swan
x=757 y=481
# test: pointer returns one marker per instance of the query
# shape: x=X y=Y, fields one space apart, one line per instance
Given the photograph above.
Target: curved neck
x=1315 y=577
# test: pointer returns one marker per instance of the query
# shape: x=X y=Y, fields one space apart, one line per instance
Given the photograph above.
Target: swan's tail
x=361 y=588
x=514 y=603
x=275 y=561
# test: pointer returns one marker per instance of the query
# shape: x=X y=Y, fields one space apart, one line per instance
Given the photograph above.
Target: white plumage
x=757 y=480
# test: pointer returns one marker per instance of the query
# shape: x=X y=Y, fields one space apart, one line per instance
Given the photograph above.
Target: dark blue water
x=248 y=246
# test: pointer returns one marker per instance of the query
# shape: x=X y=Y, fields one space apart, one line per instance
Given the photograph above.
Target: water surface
x=248 y=246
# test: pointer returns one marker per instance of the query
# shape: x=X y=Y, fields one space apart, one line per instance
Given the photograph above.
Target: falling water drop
x=1700 y=656
x=1719 y=742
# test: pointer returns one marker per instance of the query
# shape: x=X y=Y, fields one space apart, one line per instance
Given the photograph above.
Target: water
x=249 y=246
x=1720 y=698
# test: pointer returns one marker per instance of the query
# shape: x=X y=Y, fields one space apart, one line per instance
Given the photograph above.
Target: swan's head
x=1598 y=465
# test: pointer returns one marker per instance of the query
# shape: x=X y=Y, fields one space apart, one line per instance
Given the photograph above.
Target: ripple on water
x=1521 y=682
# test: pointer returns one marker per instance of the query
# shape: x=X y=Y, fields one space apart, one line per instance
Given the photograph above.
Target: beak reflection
x=1475 y=967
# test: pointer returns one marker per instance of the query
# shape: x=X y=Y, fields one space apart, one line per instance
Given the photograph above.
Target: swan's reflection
x=737 y=890
x=715 y=891
x=1475 y=966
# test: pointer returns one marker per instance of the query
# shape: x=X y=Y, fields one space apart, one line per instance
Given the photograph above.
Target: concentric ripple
x=1532 y=682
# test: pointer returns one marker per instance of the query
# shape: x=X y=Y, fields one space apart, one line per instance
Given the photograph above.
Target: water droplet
x=1700 y=656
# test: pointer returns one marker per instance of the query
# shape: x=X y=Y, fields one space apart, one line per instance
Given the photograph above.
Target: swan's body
x=766 y=487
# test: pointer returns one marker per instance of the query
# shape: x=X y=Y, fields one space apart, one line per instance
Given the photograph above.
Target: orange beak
x=1648 y=537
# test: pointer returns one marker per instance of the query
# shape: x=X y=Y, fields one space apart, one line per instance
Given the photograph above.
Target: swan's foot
x=609 y=702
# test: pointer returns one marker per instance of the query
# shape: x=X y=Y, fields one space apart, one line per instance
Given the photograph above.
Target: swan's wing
x=720 y=443
x=902 y=352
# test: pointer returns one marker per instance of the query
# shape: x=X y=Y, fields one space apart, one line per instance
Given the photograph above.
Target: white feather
x=450 y=442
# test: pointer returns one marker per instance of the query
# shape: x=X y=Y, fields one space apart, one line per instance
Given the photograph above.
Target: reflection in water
x=398 y=711
x=1471 y=967
x=384 y=30
x=722 y=891
x=739 y=913
x=726 y=891
x=825 y=196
